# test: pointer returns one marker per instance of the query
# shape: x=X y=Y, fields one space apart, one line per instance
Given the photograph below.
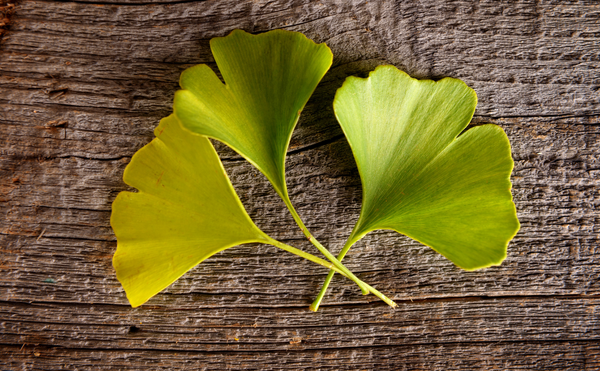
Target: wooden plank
x=443 y=357
x=68 y=198
x=221 y=329
x=522 y=58
x=83 y=85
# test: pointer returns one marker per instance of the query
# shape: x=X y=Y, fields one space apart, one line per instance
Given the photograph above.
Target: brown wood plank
x=83 y=84
x=566 y=355
x=69 y=200
x=431 y=322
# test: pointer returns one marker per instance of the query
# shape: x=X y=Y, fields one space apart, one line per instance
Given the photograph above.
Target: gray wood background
x=82 y=85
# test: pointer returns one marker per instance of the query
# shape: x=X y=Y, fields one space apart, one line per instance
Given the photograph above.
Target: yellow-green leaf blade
x=185 y=211
x=268 y=80
x=460 y=204
x=418 y=179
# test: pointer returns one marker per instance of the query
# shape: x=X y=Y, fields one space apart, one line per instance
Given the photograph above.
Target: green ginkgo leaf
x=185 y=211
x=419 y=177
x=268 y=80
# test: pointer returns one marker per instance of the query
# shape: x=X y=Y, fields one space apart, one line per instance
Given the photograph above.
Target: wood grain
x=459 y=356
x=82 y=85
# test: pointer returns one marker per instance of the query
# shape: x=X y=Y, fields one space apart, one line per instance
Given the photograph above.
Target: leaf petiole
x=306 y=256
x=330 y=265
x=363 y=287
x=317 y=302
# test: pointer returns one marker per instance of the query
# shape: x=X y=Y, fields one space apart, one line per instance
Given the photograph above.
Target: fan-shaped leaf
x=418 y=178
x=268 y=80
x=185 y=211
x=452 y=194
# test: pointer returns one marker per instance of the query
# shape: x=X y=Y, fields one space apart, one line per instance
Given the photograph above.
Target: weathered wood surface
x=82 y=85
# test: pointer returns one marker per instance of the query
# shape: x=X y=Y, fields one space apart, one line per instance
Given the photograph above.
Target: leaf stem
x=317 y=302
x=331 y=266
x=363 y=287
x=306 y=255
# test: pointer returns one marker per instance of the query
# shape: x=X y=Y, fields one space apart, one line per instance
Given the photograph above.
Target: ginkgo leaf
x=186 y=210
x=419 y=177
x=268 y=80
